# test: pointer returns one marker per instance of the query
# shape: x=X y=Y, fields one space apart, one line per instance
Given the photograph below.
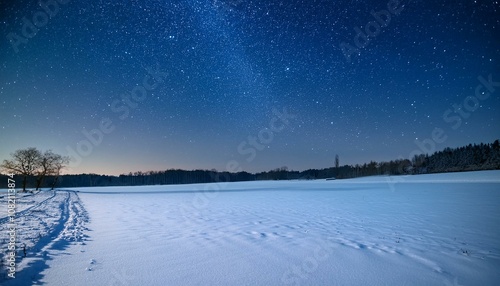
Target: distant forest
x=468 y=158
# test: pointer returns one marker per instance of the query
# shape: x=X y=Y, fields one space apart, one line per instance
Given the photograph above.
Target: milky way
x=152 y=85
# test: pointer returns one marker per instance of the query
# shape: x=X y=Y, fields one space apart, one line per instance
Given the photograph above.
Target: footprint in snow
x=91 y=262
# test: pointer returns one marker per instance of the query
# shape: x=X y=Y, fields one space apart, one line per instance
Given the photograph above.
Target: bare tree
x=337 y=161
x=24 y=162
x=43 y=167
x=31 y=162
x=46 y=166
x=59 y=163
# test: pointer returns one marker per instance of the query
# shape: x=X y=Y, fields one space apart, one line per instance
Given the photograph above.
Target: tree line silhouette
x=467 y=158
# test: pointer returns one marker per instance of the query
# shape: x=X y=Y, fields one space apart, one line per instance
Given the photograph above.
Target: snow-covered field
x=416 y=230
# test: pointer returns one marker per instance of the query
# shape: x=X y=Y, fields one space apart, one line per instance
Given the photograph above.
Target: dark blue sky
x=183 y=84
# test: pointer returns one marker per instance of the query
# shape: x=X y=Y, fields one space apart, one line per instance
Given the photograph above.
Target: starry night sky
x=220 y=68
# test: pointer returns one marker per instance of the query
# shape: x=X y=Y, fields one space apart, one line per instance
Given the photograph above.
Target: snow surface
x=440 y=229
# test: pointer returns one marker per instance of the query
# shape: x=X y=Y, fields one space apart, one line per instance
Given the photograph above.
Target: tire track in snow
x=26 y=210
x=61 y=219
